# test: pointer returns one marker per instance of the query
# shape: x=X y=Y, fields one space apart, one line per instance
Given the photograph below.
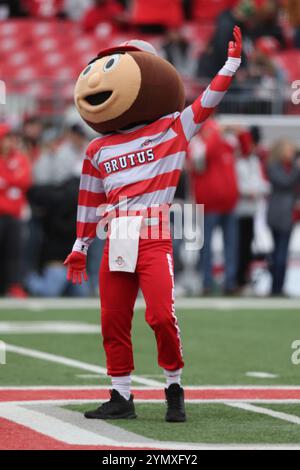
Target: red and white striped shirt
x=142 y=164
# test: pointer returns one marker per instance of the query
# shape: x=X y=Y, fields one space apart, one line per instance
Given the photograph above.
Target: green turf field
x=220 y=348
x=214 y=423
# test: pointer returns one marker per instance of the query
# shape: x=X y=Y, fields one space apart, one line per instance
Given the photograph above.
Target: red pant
x=118 y=292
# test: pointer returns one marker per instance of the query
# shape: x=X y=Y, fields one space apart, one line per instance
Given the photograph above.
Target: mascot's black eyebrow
x=97 y=58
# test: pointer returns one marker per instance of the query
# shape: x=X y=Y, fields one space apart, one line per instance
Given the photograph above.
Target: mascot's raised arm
x=135 y=100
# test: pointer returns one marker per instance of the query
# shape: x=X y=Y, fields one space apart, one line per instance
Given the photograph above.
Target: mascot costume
x=135 y=100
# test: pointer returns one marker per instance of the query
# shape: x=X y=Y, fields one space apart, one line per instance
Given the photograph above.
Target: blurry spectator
x=260 y=86
x=59 y=161
x=43 y=175
x=68 y=162
x=215 y=186
x=177 y=50
x=258 y=148
x=61 y=158
x=15 y=179
x=102 y=11
x=60 y=206
x=267 y=21
x=216 y=55
x=70 y=153
x=75 y=9
x=53 y=200
x=32 y=133
x=293 y=8
x=44 y=168
x=43 y=8
x=10 y=8
x=156 y=16
x=252 y=186
x=187 y=6
x=284 y=175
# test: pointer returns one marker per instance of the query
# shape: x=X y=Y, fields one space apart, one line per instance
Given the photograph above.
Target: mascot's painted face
x=127 y=87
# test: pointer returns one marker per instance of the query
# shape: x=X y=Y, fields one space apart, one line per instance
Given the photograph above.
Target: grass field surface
x=223 y=349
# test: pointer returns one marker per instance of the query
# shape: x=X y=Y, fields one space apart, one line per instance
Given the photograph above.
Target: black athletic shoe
x=175 y=401
x=116 y=408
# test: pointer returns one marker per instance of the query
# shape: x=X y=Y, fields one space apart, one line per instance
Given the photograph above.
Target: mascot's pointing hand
x=235 y=47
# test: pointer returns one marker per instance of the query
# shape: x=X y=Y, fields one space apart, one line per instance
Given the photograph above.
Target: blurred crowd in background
x=229 y=170
x=192 y=34
x=269 y=27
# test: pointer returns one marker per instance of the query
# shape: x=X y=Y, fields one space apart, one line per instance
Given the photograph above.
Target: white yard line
x=103 y=428
x=33 y=353
x=70 y=387
x=191 y=401
x=47 y=327
x=39 y=305
x=158 y=386
x=266 y=411
x=73 y=434
x=51 y=427
x=261 y=375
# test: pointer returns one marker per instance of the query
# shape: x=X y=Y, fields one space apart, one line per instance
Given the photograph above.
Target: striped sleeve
x=91 y=196
x=193 y=116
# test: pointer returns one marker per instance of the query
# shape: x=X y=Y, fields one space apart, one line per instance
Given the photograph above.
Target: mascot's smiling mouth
x=98 y=98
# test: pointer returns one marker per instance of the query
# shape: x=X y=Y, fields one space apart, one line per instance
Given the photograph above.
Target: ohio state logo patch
x=120 y=261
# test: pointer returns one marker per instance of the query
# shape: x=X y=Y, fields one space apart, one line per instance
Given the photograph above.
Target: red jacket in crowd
x=106 y=12
x=15 y=180
x=211 y=9
x=217 y=186
x=167 y=13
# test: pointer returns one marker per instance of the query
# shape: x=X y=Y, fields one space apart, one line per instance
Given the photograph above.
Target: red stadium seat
x=8 y=28
x=44 y=58
x=9 y=44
